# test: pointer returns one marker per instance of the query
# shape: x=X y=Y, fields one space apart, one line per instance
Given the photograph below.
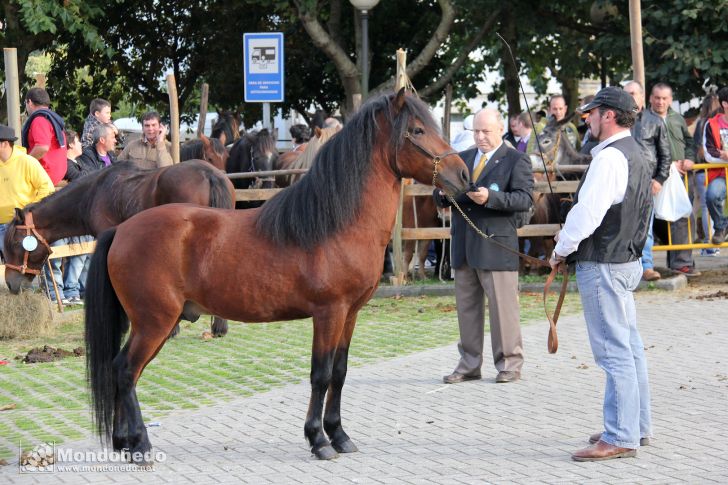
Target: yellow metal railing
x=691 y=244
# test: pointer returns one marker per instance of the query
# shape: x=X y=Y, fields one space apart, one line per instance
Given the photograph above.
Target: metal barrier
x=691 y=244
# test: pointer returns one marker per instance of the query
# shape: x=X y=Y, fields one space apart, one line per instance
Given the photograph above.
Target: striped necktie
x=481 y=165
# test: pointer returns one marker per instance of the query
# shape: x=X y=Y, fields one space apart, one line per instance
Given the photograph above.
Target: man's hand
x=162 y=132
x=656 y=187
x=555 y=260
x=479 y=197
x=683 y=166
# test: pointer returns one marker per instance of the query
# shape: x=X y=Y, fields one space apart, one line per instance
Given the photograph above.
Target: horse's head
x=556 y=147
x=25 y=252
x=420 y=152
x=226 y=127
x=263 y=155
x=214 y=152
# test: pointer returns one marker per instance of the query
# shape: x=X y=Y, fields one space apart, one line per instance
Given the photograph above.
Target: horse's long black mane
x=330 y=194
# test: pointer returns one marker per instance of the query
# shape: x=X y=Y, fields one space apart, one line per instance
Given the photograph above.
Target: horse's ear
x=317 y=131
x=399 y=100
x=205 y=140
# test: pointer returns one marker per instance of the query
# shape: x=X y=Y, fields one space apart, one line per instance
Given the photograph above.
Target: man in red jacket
x=715 y=149
x=43 y=134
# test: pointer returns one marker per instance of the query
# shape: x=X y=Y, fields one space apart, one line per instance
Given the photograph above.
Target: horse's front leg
x=332 y=419
x=326 y=333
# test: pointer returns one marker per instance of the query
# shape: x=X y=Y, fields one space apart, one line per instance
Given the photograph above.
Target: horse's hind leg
x=327 y=330
x=129 y=430
x=219 y=327
x=332 y=419
x=422 y=251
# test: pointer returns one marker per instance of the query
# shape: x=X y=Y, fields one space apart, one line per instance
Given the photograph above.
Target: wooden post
x=398 y=256
x=173 y=116
x=635 y=29
x=446 y=116
x=203 y=109
x=12 y=89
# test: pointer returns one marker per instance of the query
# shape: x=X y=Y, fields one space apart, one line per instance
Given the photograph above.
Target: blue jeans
x=74 y=278
x=611 y=321
x=3 y=228
x=57 y=275
x=700 y=191
x=715 y=198
x=647 y=259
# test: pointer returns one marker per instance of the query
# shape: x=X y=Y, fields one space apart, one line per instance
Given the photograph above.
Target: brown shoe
x=597 y=436
x=457 y=377
x=651 y=275
x=507 y=376
x=603 y=451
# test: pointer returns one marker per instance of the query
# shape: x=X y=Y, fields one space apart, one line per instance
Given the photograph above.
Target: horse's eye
x=418 y=131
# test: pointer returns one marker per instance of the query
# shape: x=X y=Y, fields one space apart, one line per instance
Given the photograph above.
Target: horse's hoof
x=347 y=446
x=326 y=452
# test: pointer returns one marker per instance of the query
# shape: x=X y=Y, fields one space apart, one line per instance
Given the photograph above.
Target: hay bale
x=25 y=315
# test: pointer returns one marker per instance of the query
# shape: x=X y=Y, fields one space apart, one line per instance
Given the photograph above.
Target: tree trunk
x=570 y=89
x=510 y=70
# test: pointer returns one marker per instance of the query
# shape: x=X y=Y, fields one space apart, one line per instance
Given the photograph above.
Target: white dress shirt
x=605 y=185
x=488 y=156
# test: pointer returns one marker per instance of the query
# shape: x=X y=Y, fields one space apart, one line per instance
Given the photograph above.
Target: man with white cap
x=604 y=234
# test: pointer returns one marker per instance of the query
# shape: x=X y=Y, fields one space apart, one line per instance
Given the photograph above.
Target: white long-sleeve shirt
x=604 y=186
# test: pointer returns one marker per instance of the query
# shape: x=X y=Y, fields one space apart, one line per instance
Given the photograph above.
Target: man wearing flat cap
x=604 y=234
x=22 y=179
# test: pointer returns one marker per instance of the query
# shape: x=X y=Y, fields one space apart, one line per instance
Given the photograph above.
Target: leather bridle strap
x=436 y=159
x=29 y=227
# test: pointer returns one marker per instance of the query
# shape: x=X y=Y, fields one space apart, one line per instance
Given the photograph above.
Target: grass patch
x=52 y=399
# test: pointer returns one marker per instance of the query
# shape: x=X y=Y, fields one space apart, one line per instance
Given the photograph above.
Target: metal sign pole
x=266 y=116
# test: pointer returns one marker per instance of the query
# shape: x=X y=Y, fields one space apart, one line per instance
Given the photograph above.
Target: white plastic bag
x=672 y=202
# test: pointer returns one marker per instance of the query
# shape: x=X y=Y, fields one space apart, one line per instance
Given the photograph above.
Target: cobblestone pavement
x=412 y=429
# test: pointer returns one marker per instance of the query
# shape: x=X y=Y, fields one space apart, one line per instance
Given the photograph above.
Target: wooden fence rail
x=419 y=190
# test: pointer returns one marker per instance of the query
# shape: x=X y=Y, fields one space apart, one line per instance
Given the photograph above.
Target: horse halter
x=436 y=159
x=30 y=233
x=258 y=183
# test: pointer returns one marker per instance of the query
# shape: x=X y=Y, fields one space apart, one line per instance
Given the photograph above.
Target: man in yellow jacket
x=22 y=179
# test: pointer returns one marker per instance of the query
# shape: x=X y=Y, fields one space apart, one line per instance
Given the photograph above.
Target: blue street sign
x=263 y=67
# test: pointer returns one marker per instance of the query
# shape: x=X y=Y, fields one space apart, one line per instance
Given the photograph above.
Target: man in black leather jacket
x=650 y=132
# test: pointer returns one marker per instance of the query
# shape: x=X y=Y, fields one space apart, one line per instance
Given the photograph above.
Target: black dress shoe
x=457 y=377
x=507 y=376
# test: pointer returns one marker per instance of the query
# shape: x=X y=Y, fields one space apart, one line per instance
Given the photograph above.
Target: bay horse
x=211 y=150
x=104 y=199
x=303 y=159
x=253 y=152
x=316 y=250
x=226 y=127
x=420 y=212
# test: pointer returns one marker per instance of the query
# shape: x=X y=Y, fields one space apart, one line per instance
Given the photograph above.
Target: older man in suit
x=503 y=184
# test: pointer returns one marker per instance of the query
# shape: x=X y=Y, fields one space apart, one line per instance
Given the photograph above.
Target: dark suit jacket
x=509 y=179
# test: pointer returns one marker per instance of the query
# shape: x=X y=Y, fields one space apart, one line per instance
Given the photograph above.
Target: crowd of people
x=51 y=155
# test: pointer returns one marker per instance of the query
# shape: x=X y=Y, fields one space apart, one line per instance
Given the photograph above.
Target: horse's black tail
x=220 y=195
x=106 y=324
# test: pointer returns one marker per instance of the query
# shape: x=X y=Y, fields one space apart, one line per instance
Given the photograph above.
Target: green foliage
x=684 y=45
